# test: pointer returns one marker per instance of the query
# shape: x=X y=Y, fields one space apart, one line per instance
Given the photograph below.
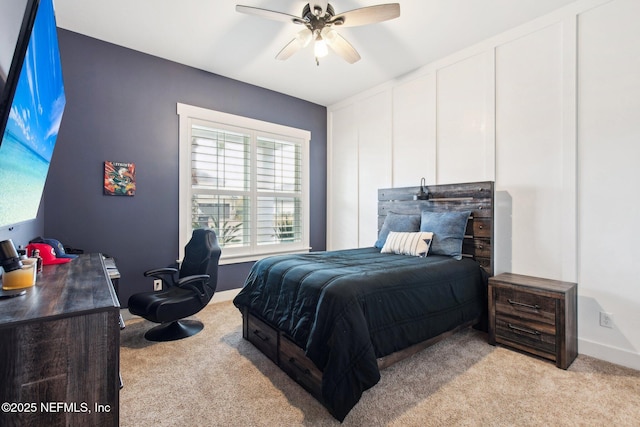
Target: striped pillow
x=415 y=244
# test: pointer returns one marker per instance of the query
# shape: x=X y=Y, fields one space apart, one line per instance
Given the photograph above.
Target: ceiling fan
x=318 y=18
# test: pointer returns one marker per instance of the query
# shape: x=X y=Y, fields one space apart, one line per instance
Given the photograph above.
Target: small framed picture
x=119 y=179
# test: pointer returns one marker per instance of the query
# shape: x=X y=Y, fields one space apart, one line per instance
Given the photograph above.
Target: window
x=246 y=179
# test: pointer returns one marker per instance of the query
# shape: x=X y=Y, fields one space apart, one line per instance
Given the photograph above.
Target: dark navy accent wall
x=121 y=106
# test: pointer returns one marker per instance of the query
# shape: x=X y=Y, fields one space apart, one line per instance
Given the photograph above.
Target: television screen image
x=34 y=120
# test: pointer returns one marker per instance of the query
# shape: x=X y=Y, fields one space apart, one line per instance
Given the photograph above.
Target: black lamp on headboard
x=422 y=194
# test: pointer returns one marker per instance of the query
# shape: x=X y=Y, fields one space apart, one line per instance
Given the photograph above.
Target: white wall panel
x=609 y=155
x=342 y=172
x=414 y=131
x=529 y=150
x=465 y=120
x=374 y=148
x=550 y=111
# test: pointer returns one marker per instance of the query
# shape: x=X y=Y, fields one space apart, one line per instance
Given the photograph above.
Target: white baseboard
x=224 y=295
x=610 y=354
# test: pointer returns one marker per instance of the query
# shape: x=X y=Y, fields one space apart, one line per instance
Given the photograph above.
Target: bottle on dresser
x=36 y=254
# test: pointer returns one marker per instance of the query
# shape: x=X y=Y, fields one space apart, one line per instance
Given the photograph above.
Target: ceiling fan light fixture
x=320 y=49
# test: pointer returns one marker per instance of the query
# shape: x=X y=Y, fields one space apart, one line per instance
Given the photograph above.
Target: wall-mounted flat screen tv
x=33 y=118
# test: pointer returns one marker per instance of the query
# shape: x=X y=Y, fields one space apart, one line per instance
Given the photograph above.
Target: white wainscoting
x=374 y=157
x=465 y=120
x=529 y=149
x=549 y=111
x=609 y=174
x=414 y=131
x=342 y=178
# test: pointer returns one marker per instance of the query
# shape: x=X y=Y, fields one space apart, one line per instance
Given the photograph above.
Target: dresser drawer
x=525 y=305
x=264 y=337
x=300 y=368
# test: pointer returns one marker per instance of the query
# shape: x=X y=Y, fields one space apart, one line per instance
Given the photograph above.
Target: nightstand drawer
x=534 y=337
x=525 y=305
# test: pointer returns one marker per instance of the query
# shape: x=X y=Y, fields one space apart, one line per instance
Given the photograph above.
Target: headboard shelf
x=450 y=199
x=476 y=197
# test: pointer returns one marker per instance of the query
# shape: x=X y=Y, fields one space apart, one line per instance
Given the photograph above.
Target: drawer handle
x=528 y=331
x=260 y=335
x=296 y=365
x=521 y=304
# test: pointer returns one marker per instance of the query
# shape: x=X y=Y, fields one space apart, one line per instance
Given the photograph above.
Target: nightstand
x=534 y=315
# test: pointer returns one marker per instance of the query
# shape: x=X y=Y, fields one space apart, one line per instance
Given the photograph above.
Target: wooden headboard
x=477 y=197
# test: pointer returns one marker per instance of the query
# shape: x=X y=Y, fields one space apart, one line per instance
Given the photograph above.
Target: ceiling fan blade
x=301 y=41
x=367 y=15
x=269 y=14
x=340 y=46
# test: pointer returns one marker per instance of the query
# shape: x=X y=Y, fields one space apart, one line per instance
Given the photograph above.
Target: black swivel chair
x=190 y=293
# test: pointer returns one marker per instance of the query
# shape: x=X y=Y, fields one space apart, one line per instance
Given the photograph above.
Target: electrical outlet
x=157 y=284
x=606 y=320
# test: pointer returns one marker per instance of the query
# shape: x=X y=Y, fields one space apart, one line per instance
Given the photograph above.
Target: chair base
x=174 y=330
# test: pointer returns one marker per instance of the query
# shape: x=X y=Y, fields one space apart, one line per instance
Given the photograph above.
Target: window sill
x=237 y=259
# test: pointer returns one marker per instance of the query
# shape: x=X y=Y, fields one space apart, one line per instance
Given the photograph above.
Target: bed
x=332 y=320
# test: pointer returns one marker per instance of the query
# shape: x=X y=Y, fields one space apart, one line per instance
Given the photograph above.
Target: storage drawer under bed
x=299 y=367
x=262 y=336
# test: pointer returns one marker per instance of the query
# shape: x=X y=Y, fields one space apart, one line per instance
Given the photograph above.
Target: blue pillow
x=448 y=231
x=397 y=222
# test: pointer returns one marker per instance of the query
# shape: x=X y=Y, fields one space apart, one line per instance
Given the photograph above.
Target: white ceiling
x=212 y=36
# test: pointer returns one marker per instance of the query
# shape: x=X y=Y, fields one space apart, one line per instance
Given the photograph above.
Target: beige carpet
x=218 y=379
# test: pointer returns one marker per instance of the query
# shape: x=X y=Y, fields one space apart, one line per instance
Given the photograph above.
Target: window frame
x=189 y=115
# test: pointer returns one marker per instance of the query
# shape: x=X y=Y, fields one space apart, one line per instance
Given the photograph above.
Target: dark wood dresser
x=534 y=315
x=60 y=349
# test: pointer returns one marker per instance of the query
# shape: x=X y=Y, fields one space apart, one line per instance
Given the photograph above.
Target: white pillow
x=415 y=244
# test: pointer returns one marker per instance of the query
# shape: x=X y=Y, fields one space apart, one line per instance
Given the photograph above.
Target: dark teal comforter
x=347 y=308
